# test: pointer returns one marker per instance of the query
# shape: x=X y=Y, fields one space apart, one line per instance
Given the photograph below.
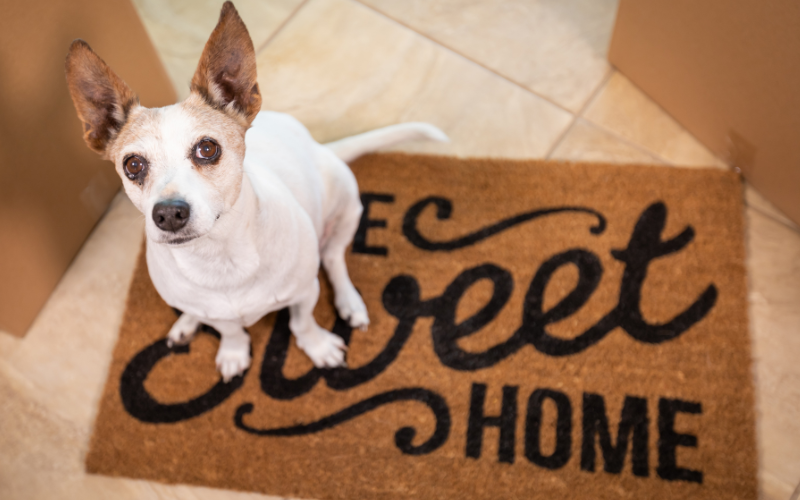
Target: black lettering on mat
x=633 y=425
x=444 y=208
x=506 y=421
x=669 y=440
x=360 y=238
x=533 y=429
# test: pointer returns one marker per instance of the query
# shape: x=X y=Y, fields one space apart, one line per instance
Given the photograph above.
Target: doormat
x=539 y=330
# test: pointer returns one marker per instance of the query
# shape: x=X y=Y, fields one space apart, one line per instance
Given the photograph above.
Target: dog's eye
x=206 y=149
x=134 y=165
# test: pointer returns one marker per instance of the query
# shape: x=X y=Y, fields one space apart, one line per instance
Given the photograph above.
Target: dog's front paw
x=233 y=357
x=353 y=310
x=359 y=320
x=325 y=349
x=183 y=330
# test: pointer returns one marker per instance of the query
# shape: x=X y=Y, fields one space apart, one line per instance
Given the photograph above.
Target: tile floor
x=521 y=78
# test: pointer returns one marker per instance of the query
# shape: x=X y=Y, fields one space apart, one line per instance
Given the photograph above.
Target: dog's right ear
x=226 y=74
x=101 y=98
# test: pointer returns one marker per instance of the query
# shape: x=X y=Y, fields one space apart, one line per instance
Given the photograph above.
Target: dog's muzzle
x=171 y=215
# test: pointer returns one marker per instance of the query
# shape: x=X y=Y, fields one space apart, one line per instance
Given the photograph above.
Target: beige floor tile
x=772 y=488
x=623 y=109
x=179 y=29
x=8 y=344
x=42 y=454
x=774 y=272
x=41 y=457
x=586 y=142
x=556 y=48
x=32 y=436
x=759 y=203
x=342 y=68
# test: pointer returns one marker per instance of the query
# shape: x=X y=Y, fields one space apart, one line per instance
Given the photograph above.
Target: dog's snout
x=171 y=215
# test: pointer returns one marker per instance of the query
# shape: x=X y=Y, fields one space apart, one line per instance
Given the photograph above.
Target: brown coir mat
x=539 y=330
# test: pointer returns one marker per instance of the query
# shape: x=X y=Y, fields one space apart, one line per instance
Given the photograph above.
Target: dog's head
x=181 y=165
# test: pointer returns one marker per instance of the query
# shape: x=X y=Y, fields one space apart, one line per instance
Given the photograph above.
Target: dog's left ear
x=226 y=74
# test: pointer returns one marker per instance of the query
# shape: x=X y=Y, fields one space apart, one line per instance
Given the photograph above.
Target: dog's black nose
x=171 y=215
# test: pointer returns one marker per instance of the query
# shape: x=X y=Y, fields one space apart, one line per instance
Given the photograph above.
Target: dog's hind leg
x=348 y=302
x=324 y=348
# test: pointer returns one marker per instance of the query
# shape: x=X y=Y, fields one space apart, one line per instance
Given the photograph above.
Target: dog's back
x=280 y=149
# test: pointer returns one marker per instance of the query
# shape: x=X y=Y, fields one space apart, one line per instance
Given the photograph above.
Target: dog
x=241 y=206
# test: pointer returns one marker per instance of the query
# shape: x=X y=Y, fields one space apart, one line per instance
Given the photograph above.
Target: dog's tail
x=350 y=148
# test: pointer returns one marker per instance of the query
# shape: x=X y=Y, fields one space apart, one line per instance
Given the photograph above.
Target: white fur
x=298 y=205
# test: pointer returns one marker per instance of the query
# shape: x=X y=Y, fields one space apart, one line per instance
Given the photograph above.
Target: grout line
x=771 y=217
x=788 y=223
x=596 y=92
x=613 y=133
x=454 y=51
x=633 y=144
x=561 y=137
x=655 y=155
x=592 y=96
x=280 y=28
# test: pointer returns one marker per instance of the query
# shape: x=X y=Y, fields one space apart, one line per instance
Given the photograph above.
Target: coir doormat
x=539 y=330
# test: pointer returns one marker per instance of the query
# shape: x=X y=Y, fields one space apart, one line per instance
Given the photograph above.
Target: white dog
x=239 y=204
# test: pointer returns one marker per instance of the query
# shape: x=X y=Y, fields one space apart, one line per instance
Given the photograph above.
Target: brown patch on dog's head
x=226 y=75
x=102 y=100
